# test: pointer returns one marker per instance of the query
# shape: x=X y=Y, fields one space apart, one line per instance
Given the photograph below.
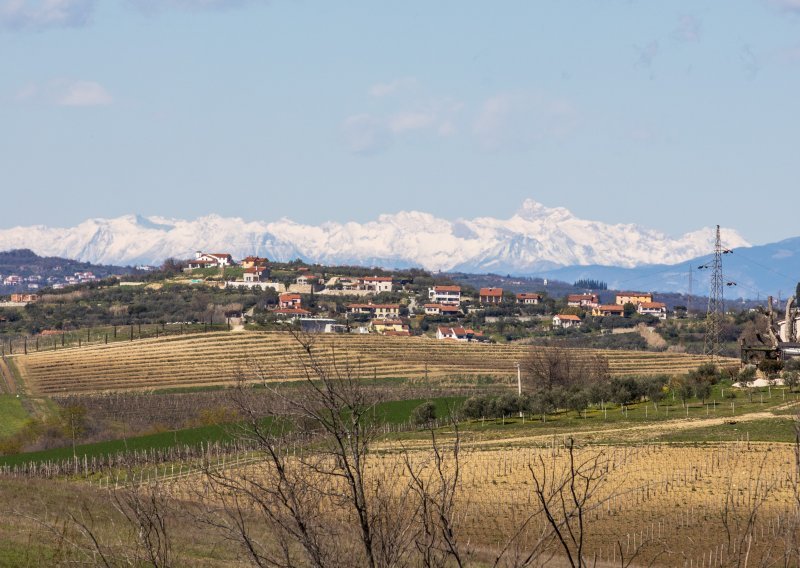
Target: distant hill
x=770 y=269
x=38 y=272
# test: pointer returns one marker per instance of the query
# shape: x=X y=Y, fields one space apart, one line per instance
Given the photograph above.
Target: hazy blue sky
x=671 y=114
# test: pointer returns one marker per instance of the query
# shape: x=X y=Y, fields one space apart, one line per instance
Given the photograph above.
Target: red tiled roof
x=527 y=295
x=491 y=292
x=652 y=305
x=579 y=297
x=447 y=288
x=611 y=308
x=286 y=297
x=568 y=317
x=254 y=270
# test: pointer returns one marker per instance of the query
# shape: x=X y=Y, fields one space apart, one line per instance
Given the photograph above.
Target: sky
x=674 y=115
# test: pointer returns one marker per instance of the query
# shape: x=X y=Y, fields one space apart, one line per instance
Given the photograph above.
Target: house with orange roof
x=565 y=321
x=255 y=274
x=608 y=310
x=490 y=295
x=290 y=300
x=441 y=309
x=252 y=261
x=528 y=298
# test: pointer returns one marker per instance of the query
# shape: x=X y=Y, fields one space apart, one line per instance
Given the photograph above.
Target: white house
x=383 y=311
x=254 y=274
x=565 y=321
x=441 y=309
x=458 y=334
x=445 y=295
x=528 y=299
x=583 y=300
x=211 y=260
x=377 y=284
x=658 y=309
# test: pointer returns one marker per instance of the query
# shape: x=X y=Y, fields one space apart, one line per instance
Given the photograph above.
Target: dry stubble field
x=211 y=359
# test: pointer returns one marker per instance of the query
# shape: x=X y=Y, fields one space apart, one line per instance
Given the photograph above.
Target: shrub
x=423 y=414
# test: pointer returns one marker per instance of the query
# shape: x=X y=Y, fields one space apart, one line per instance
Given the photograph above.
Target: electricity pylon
x=716 y=304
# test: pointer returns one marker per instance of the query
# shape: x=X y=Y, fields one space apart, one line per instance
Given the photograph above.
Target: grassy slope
x=12 y=415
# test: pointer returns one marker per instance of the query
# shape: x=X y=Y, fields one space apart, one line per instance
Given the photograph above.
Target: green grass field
x=393 y=412
x=12 y=415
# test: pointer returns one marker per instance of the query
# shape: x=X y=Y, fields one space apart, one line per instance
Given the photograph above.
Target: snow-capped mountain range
x=535 y=238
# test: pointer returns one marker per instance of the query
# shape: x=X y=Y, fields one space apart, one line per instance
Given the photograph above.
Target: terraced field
x=213 y=359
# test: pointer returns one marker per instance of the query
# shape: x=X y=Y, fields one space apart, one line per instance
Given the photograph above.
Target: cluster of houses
x=388 y=319
x=590 y=304
x=36 y=281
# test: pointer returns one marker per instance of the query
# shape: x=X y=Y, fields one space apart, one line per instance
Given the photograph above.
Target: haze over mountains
x=536 y=240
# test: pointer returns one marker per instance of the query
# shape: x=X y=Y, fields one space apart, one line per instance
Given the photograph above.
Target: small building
x=289 y=301
x=565 y=321
x=251 y=261
x=390 y=326
x=608 y=310
x=529 y=299
x=291 y=313
x=24 y=298
x=307 y=280
x=378 y=284
x=634 y=298
x=657 y=309
x=254 y=274
x=583 y=300
x=441 y=309
x=445 y=295
x=377 y=310
x=490 y=295
x=458 y=334
x=214 y=259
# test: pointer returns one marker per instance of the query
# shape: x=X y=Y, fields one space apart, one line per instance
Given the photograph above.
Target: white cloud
x=517 y=121
x=392 y=87
x=71 y=93
x=364 y=134
x=83 y=93
x=40 y=14
x=408 y=121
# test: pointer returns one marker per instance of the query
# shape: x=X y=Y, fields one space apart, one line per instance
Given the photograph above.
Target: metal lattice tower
x=716 y=304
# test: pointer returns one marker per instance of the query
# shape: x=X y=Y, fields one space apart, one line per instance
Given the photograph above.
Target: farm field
x=214 y=359
x=658 y=505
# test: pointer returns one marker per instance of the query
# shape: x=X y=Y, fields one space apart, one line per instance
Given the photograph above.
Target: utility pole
x=716 y=304
x=519 y=385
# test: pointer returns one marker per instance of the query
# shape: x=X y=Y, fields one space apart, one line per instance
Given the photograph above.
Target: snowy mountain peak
x=536 y=237
x=533 y=210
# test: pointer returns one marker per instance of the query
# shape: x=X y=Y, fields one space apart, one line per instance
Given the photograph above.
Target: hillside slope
x=214 y=359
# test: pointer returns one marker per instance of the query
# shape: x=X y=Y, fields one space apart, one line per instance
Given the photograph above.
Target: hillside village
x=321 y=299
